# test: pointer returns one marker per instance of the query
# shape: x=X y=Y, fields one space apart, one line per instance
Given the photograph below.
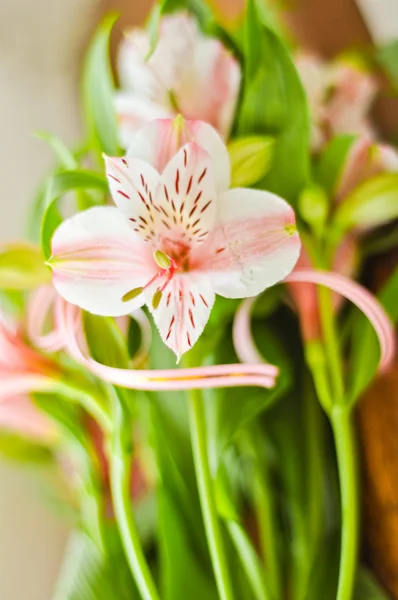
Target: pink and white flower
x=340 y=95
x=186 y=73
x=22 y=370
x=365 y=159
x=178 y=236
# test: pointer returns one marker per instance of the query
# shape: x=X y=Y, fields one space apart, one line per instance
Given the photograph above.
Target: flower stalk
x=206 y=495
x=120 y=462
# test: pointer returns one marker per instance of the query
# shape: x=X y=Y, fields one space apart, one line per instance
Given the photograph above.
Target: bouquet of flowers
x=184 y=337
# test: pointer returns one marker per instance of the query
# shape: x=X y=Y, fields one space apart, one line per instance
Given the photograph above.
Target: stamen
x=132 y=294
x=162 y=259
x=156 y=298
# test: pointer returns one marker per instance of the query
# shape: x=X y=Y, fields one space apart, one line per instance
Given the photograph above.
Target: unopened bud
x=313 y=207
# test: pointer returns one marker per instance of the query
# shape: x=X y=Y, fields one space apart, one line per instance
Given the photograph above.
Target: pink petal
x=213 y=376
x=158 y=142
x=354 y=91
x=244 y=345
x=208 y=87
x=363 y=299
x=365 y=160
x=186 y=200
x=98 y=258
x=183 y=311
x=187 y=71
x=253 y=245
x=21 y=415
x=133 y=112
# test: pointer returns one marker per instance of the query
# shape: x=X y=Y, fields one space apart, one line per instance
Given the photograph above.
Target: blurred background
x=41 y=47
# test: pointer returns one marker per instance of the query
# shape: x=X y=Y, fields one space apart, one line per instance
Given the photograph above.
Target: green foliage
x=365 y=346
x=251 y=159
x=22 y=267
x=367 y=587
x=91 y=574
x=232 y=409
x=183 y=575
x=66 y=158
x=16 y=447
x=98 y=92
x=372 y=203
x=388 y=58
x=274 y=103
x=329 y=167
x=106 y=342
x=59 y=185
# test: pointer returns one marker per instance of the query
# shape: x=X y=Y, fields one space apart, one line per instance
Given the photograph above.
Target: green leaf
x=89 y=574
x=61 y=151
x=330 y=165
x=60 y=184
x=232 y=409
x=18 y=448
x=367 y=588
x=388 y=58
x=106 y=342
x=22 y=267
x=251 y=158
x=198 y=7
x=365 y=346
x=183 y=576
x=99 y=92
x=274 y=103
x=371 y=204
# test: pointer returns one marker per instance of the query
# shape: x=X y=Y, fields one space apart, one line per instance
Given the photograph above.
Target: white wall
x=41 y=42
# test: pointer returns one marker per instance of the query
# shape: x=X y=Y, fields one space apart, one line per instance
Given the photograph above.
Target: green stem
x=315 y=469
x=206 y=495
x=88 y=400
x=332 y=348
x=120 y=461
x=264 y=505
x=347 y=465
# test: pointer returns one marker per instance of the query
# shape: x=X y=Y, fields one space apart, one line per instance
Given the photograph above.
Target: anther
x=162 y=259
x=156 y=298
x=132 y=294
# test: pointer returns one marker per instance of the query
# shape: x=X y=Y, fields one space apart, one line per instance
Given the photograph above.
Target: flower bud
x=250 y=159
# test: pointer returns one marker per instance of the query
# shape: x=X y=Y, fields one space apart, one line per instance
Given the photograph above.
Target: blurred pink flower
x=187 y=73
x=177 y=237
x=365 y=160
x=305 y=296
x=340 y=95
x=22 y=370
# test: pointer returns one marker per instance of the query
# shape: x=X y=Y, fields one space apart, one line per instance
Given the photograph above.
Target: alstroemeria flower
x=340 y=95
x=22 y=369
x=305 y=296
x=21 y=416
x=186 y=73
x=177 y=237
x=365 y=159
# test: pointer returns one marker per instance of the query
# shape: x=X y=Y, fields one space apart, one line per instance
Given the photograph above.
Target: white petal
x=208 y=87
x=97 y=258
x=133 y=184
x=253 y=245
x=183 y=311
x=159 y=141
x=133 y=112
x=186 y=200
